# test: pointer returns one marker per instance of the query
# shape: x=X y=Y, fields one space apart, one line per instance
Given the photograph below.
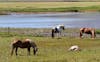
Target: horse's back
x=21 y=44
x=27 y=40
x=30 y=43
x=16 y=42
x=87 y=29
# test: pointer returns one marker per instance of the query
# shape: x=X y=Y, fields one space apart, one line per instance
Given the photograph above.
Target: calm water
x=70 y=20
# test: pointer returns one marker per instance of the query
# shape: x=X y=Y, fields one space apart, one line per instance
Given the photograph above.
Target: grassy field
x=49 y=7
x=46 y=4
x=49 y=0
x=52 y=50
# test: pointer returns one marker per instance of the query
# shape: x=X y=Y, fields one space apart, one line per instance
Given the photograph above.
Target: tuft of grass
x=98 y=31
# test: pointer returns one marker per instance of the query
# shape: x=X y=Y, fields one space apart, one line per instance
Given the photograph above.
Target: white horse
x=57 y=29
x=74 y=48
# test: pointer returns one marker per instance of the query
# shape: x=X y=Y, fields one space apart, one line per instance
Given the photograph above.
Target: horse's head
x=82 y=29
x=35 y=49
x=62 y=27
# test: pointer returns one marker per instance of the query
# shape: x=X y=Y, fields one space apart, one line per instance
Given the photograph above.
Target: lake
x=70 y=20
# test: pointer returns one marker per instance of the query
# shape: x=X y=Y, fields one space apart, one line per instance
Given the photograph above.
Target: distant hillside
x=49 y=0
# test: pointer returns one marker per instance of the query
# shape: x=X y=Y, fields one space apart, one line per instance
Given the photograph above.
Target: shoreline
x=9 y=13
x=36 y=32
x=49 y=10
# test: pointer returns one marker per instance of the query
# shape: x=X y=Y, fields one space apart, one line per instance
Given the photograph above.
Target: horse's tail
x=94 y=33
x=81 y=32
x=52 y=33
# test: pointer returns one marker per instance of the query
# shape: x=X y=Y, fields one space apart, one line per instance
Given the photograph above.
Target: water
x=70 y=20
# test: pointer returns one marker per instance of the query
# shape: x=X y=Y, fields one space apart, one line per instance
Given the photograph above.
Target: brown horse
x=27 y=43
x=90 y=31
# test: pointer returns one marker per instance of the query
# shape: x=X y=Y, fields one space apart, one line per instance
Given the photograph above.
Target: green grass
x=60 y=9
x=6 y=7
x=46 y=4
x=49 y=0
x=52 y=50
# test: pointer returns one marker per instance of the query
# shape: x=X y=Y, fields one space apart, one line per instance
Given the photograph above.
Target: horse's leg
x=57 y=34
x=52 y=33
x=28 y=49
x=60 y=34
x=16 y=50
x=12 y=50
x=92 y=34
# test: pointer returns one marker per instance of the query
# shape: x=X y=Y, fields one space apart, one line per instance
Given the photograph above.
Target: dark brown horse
x=90 y=31
x=27 y=43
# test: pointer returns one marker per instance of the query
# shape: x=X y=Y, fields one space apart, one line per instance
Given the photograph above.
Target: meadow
x=52 y=50
x=37 y=7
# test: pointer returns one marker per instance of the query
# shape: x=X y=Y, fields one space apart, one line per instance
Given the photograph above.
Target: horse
x=57 y=29
x=27 y=43
x=90 y=31
x=74 y=48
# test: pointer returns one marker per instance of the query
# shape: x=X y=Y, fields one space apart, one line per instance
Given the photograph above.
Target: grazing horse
x=58 y=29
x=27 y=43
x=90 y=31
